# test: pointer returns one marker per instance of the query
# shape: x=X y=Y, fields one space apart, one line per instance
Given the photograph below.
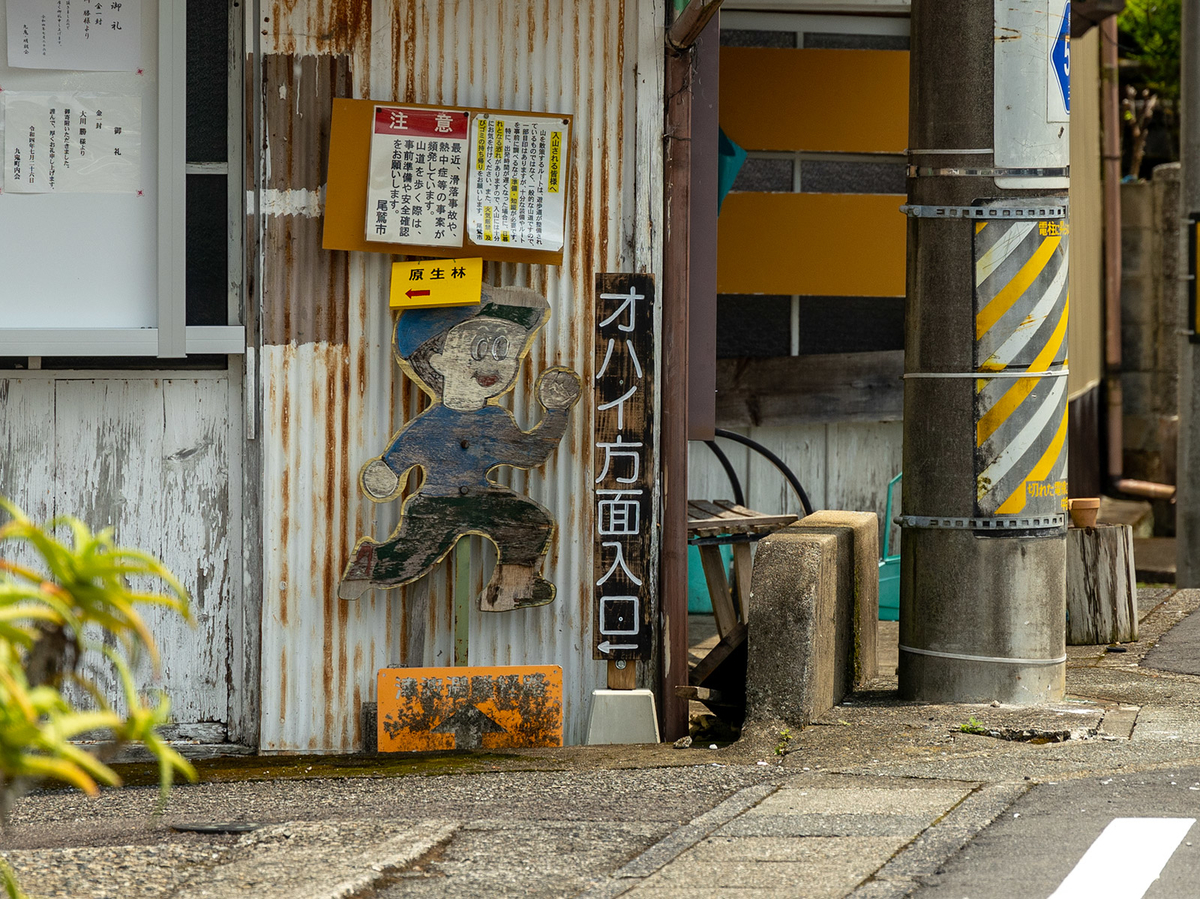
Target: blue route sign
x=1060 y=57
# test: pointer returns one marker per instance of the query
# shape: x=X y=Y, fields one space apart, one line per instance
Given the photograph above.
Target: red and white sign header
x=449 y=124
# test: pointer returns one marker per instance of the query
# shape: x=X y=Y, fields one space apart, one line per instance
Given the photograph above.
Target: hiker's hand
x=379 y=481
x=558 y=388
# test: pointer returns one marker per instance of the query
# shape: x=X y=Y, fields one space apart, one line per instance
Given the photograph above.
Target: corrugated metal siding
x=332 y=394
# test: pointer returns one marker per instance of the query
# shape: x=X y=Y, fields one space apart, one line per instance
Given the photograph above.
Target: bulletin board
x=346 y=206
x=84 y=253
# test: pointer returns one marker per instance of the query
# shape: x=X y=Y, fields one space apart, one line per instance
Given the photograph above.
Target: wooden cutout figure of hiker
x=466 y=358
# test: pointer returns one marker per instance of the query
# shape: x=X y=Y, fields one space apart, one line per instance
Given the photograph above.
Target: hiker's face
x=479 y=360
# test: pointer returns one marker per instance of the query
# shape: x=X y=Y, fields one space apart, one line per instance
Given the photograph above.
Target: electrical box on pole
x=982 y=606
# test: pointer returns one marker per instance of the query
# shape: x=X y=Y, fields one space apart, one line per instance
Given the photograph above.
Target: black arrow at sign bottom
x=468 y=725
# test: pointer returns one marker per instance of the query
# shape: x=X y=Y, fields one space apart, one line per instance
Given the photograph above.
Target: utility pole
x=1187 y=510
x=983 y=584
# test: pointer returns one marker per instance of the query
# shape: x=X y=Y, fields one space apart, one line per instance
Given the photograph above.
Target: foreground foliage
x=75 y=599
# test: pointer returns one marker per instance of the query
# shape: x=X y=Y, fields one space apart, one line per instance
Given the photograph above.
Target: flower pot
x=1084 y=511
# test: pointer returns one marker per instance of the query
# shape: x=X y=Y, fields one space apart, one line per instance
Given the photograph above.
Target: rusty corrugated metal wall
x=329 y=390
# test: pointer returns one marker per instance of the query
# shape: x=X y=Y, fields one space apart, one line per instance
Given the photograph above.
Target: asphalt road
x=1179 y=648
x=1102 y=838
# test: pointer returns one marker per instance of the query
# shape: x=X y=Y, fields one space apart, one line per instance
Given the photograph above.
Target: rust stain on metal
x=284 y=618
x=409 y=44
x=285 y=482
x=361 y=357
x=350 y=25
x=298 y=94
x=453 y=95
x=470 y=56
x=440 y=41
x=283 y=683
x=424 y=709
x=307 y=298
x=340 y=26
x=321 y=397
x=358 y=702
x=502 y=29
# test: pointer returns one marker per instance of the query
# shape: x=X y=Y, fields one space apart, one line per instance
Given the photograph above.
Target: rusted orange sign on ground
x=422 y=709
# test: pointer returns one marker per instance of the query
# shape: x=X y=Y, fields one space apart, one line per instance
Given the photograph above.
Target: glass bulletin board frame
x=104 y=274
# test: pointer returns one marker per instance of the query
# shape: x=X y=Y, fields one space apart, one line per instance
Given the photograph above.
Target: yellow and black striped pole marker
x=1021 y=307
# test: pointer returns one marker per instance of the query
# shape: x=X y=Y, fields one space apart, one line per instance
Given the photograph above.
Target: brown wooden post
x=622 y=675
x=673 y=710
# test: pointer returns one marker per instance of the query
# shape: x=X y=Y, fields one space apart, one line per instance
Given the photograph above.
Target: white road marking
x=1125 y=859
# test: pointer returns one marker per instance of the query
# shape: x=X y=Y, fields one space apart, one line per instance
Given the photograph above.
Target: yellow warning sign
x=555 y=161
x=423 y=709
x=436 y=282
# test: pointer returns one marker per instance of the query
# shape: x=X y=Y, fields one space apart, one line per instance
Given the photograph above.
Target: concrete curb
x=930 y=850
x=678 y=842
x=314 y=860
x=396 y=854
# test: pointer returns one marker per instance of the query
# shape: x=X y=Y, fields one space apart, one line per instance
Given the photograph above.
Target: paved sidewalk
x=870 y=801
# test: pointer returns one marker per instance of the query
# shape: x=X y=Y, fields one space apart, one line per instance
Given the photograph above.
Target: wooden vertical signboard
x=624 y=466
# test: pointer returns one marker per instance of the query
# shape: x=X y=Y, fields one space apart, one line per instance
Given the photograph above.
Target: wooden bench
x=712 y=525
x=719 y=679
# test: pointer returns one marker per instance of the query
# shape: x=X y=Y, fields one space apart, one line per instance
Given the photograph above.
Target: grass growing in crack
x=973 y=726
x=785 y=738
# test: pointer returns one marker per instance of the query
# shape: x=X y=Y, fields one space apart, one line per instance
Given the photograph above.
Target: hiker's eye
x=496 y=347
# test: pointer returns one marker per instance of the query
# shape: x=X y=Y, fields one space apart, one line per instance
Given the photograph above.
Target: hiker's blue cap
x=416 y=326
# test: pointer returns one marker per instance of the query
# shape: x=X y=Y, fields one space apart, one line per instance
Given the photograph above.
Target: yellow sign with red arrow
x=436 y=282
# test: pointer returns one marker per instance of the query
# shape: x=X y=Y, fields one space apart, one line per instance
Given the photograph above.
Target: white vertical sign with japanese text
x=518 y=192
x=75 y=35
x=623 y=453
x=417 y=189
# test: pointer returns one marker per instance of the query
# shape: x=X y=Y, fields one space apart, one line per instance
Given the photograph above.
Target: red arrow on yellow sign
x=436 y=282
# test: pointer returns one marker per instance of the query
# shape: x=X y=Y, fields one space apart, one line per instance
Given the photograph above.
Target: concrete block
x=1138 y=391
x=859 y=607
x=622 y=716
x=1139 y=336
x=793 y=617
x=808 y=632
x=1137 y=205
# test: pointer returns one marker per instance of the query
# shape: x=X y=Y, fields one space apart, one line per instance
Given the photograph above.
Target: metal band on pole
x=962 y=657
x=1057 y=373
x=981 y=151
x=923 y=171
x=985 y=212
x=997 y=523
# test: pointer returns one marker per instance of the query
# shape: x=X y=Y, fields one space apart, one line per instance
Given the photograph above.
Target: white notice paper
x=72 y=142
x=518 y=187
x=418 y=169
x=80 y=35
